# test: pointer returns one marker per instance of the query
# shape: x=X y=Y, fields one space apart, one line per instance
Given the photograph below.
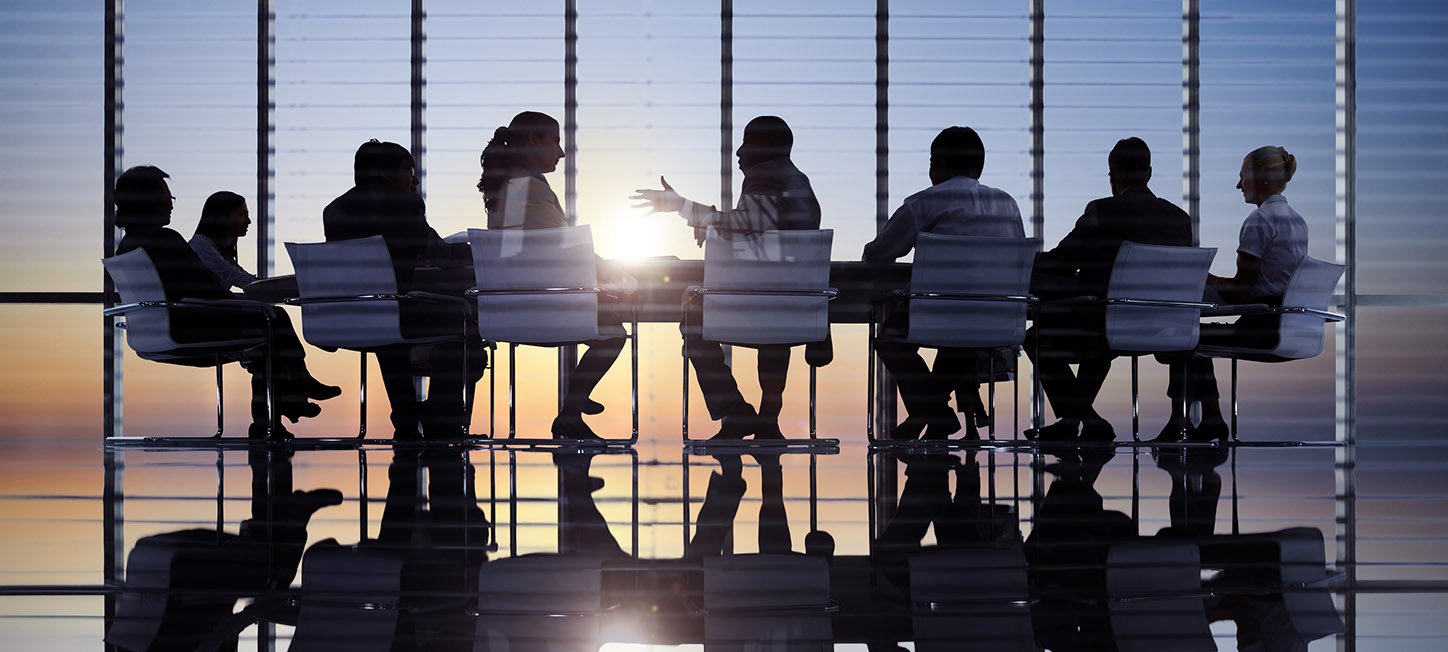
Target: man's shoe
x=319 y=391
x=1099 y=430
x=277 y=434
x=1171 y=433
x=736 y=426
x=942 y=426
x=768 y=429
x=567 y=426
x=908 y=429
x=1061 y=430
x=586 y=406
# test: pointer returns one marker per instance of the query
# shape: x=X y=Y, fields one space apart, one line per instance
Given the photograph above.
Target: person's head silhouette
x=384 y=163
x=142 y=198
x=1265 y=172
x=1130 y=164
x=766 y=138
x=956 y=152
x=224 y=219
x=529 y=146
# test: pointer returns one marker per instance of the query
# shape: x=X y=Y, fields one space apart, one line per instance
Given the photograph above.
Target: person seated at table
x=1272 y=242
x=517 y=196
x=384 y=202
x=224 y=220
x=1081 y=266
x=143 y=211
x=775 y=196
x=956 y=203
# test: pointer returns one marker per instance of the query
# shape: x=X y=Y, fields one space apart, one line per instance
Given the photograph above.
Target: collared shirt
x=1276 y=235
x=775 y=196
x=228 y=272
x=958 y=206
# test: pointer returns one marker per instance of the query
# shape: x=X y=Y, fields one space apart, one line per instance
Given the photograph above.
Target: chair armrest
x=1158 y=303
x=478 y=292
x=956 y=296
x=233 y=305
x=433 y=297
x=1068 y=301
x=888 y=296
x=693 y=291
x=1233 y=310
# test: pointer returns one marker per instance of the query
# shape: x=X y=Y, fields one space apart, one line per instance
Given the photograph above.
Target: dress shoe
x=1215 y=430
x=297 y=412
x=585 y=406
x=908 y=429
x=571 y=426
x=942 y=426
x=737 y=426
x=319 y=391
x=1062 y=430
x=1171 y=433
x=1099 y=430
x=258 y=431
x=768 y=429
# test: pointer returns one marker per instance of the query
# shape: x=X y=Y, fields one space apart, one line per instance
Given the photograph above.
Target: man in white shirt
x=956 y=203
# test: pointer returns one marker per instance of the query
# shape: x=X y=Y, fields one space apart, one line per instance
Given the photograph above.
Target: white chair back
x=1140 y=580
x=347 y=268
x=530 y=261
x=1158 y=273
x=350 y=599
x=772 y=260
x=767 y=601
x=971 y=598
x=948 y=264
x=136 y=279
x=539 y=602
x=1311 y=286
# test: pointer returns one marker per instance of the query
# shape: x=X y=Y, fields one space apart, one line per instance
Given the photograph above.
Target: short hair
x=1272 y=164
x=137 y=194
x=379 y=162
x=772 y=132
x=1130 y=161
x=959 y=150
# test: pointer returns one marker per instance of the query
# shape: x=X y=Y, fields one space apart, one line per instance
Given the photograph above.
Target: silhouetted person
x=1081 y=265
x=1272 y=243
x=721 y=506
x=583 y=530
x=518 y=197
x=224 y=220
x=775 y=196
x=1196 y=489
x=956 y=203
x=384 y=202
x=201 y=573
x=143 y=209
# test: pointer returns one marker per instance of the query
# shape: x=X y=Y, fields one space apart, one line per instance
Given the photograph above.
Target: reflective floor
x=471 y=548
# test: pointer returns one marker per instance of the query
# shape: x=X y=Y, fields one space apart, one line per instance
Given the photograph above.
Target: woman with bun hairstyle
x=517 y=196
x=1272 y=243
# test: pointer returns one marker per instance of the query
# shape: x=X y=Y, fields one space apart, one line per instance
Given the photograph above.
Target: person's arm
x=1252 y=244
x=229 y=273
x=895 y=239
x=757 y=211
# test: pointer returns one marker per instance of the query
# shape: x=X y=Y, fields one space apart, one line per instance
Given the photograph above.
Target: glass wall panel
x=50 y=179
x=813 y=64
x=343 y=76
x=966 y=65
x=1402 y=146
x=190 y=102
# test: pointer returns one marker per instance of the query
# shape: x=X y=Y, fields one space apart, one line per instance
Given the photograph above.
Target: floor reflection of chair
x=770 y=289
x=351 y=600
x=971 y=598
x=540 y=287
x=1302 y=318
x=1155 y=599
x=350 y=300
x=774 y=602
x=148 y=326
x=965 y=292
x=540 y=602
x=1289 y=564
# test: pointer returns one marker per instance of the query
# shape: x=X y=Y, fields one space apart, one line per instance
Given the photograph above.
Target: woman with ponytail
x=517 y=196
x=1272 y=243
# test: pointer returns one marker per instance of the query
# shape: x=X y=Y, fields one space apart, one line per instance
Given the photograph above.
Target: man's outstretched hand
x=659 y=201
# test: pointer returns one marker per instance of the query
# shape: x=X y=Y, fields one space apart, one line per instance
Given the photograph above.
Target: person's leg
x=443 y=412
x=586 y=376
x=1090 y=376
x=773 y=375
x=716 y=380
x=926 y=398
x=395 y=365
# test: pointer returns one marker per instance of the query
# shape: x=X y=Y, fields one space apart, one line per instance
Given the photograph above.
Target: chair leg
x=633 y=349
x=1135 y=408
x=1234 y=401
x=492 y=391
x=870 y=381
x=361 y=494
x=684 y=426
x=220 y=414
x=512 y=390
x=812 y=385
x=271 y=392
x=362 y=396
x=991 y=411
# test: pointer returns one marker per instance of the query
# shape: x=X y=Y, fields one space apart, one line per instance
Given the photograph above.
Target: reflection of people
x=201 y=573
x=721 y=505
x=518 y=197
x=224 y=219
x=1272 y=243
x=775 y=196
x=143 y=209
x=956 y=203
x=1196 y=488
x=1081 y=265
x=384 y=202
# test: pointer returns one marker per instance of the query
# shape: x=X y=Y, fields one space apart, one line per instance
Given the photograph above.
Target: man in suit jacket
x=385 y=202
x=1081 y=265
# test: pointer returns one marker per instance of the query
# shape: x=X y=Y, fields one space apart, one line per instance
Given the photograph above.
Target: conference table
x=662 y=282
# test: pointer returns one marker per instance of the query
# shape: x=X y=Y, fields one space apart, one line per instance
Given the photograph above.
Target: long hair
x=217 y=222
x=502 y=159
